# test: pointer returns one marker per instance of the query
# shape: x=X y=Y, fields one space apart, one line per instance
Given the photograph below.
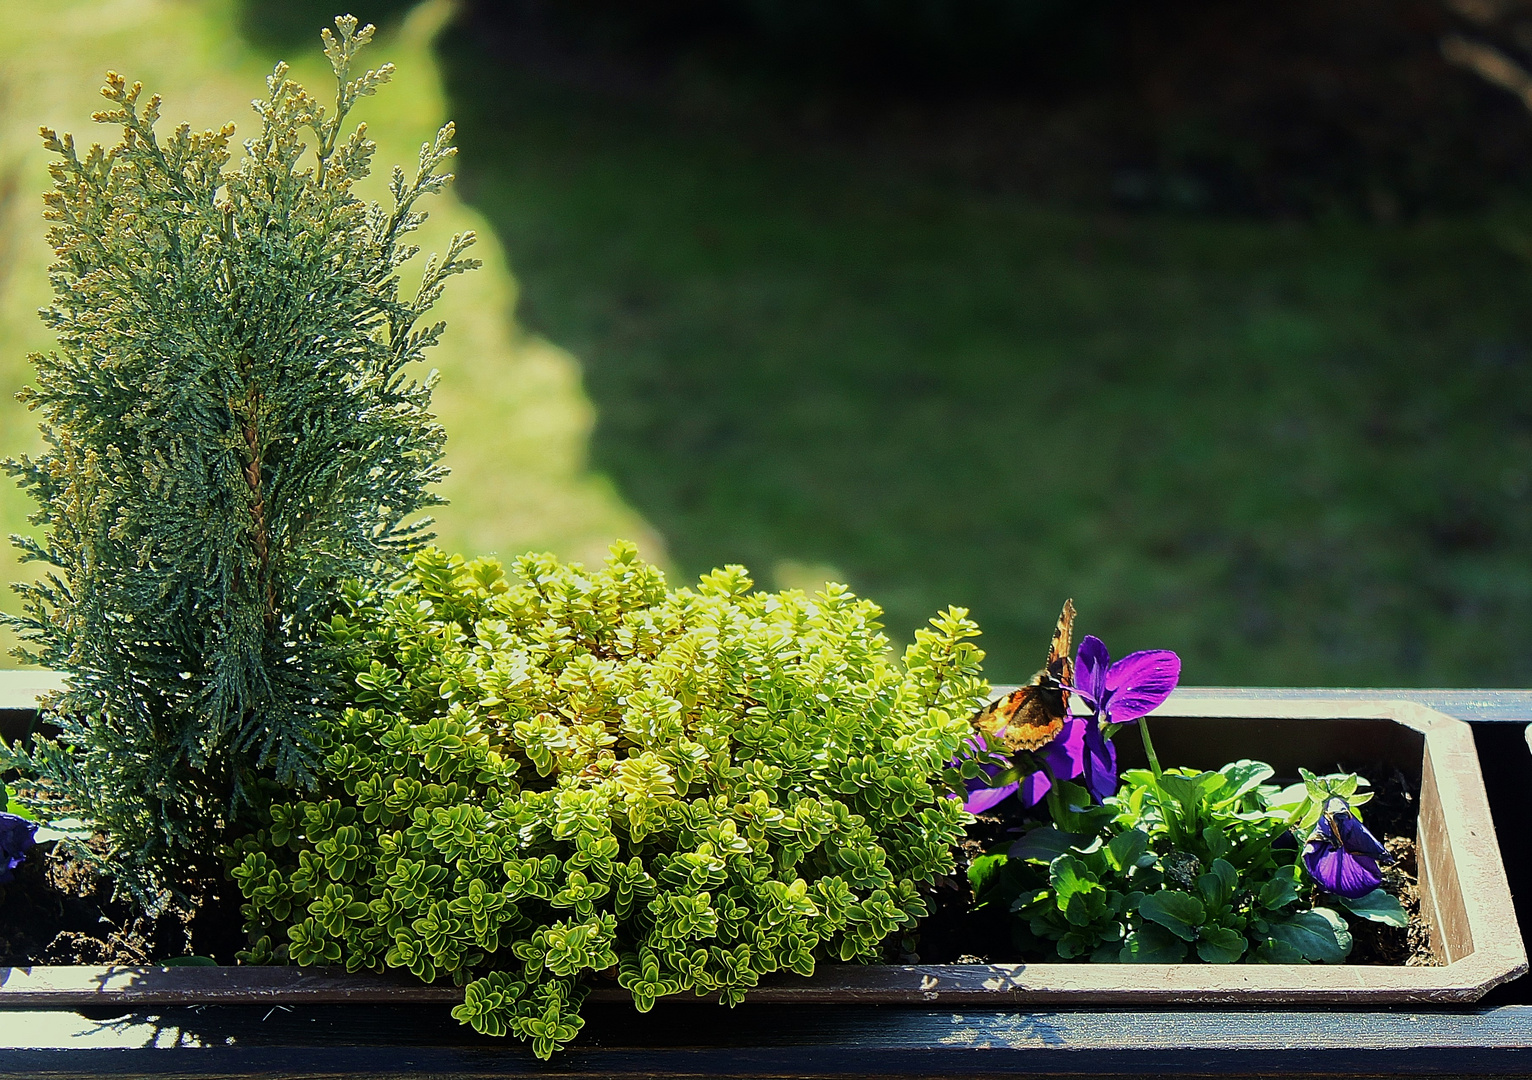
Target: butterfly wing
x=1030 y=716
x=1061 y=664
x=1025 y=719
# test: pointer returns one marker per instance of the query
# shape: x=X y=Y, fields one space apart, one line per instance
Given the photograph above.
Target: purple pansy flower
x=981 y=796
x=17 y=837
x=1342 y=856
x=1118 y=693
x=1063 y=757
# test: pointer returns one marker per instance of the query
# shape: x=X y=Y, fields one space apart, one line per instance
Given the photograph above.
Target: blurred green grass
x=1297 y=454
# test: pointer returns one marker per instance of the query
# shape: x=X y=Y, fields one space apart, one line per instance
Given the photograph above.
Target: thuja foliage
x=231 y=432
x=580 y=773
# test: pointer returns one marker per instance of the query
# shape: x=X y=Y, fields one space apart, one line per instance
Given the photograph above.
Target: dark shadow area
x=905 y=47
x=763 y=1041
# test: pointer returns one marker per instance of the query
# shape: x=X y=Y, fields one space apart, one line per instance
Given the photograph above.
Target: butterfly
x=1030 y=716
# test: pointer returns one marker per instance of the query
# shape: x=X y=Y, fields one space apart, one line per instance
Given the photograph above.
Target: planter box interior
x=1464 y=893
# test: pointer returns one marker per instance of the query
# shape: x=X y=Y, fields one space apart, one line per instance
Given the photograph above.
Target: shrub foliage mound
x=584 y=773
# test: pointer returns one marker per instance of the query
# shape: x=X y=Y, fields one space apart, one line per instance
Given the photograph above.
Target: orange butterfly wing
x=1030 y=716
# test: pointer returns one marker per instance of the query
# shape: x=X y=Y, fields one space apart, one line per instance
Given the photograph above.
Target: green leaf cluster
x=1184 y=867
x=231 y=432
x=579 y=772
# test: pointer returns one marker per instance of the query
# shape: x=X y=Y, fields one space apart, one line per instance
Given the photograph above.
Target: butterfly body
x=1030 y=716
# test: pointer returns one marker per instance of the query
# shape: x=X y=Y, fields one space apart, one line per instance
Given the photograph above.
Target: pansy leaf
x=1045 y=844
x=1108 y=952
x=1278 y=892
x=63 y=829
x=1077 y=814
x=1378 y=906
x=1319 y=934
x=984 y=872
x=1153 y=944
x=1023 y=939
x=1181 y=788
x=1290 y=797
x=1217 y=841
x=1220 y=945
x=1126 y=848
x=1190 y=791
x=1070 y=877
x=1138 y=778
x=1027 y=902
x=1179 y=912
x=1244 y=776
x=1218 y=884
x=1275 y=951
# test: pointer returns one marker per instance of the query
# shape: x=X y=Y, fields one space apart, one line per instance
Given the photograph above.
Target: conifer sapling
x=231 y=430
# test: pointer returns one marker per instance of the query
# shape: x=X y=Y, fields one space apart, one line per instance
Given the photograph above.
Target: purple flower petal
x=1355 y=838
x=1341 y=872
x=1346 y=864
x=1138 y=683
x=1034 y=788
x=1091 y=662
x=1065 y=753
x=1100 y=763
x=17 y=837
x=982 y=799
x=1063 y=756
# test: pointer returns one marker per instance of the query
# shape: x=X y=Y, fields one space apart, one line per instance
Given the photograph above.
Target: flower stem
x=1166 y=803
x=1056 y=808
x=1154 y=761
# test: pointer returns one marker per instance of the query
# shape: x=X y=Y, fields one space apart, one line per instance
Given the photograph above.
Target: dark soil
x=59 y=910
x=1391 y=815
x=957 y=933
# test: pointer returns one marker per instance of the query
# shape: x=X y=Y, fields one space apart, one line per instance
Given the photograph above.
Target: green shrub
x=585 y=773
x=231 y=434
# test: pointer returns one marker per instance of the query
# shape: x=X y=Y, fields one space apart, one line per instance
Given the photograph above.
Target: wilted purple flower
x=1063 y=757
x=17 y=837
x=1342 y=856
x=1118 y=693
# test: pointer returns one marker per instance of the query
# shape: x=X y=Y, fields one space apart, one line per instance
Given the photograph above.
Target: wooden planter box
x=1465 y=895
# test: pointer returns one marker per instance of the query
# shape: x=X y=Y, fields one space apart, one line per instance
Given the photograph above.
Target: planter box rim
x=1478 y=893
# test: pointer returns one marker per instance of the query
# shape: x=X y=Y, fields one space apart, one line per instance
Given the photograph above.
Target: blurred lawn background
x=1293 y=447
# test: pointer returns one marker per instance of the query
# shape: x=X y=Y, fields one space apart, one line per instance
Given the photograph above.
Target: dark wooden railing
x=1491 y=1038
